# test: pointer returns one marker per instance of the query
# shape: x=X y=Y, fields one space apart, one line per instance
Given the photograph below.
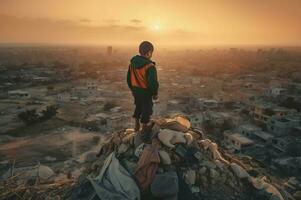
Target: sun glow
x=156 y=27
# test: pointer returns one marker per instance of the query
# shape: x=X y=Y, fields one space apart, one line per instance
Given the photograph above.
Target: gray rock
x=214 y=174
x=195 y=189
x=165 y=158
x=198 y=155
x=88 y=156
x=219 y=164
x=203 y=170
x=190 y=177
x=208 y=164
x=43 y=172
x=239 y=171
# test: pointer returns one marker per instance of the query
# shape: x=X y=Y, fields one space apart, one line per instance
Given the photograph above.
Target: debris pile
x=175 y=161
x=178 y=163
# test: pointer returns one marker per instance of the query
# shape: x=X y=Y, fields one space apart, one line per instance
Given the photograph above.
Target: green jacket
x=151 y=75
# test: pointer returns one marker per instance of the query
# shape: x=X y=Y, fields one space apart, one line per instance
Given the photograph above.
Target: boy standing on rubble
x=143 y=82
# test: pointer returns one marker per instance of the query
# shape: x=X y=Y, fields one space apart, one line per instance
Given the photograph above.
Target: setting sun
x=157 y=27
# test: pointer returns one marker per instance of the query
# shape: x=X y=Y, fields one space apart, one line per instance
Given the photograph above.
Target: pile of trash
x=178 y=163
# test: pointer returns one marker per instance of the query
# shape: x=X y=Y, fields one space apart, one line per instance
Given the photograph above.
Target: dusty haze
x=197 y=22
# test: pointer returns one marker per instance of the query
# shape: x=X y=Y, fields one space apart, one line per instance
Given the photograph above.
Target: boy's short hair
x=145 y=47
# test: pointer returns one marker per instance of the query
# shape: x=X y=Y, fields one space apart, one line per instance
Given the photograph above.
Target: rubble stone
x=190 y=177
x=189 y=138
x=45 y=172
x=169 y=137
x=203 y=170
x=176 y=123
x=239 y=171
x=214 y=174
x=164 y=157
x=195 y=189
x=208 y=164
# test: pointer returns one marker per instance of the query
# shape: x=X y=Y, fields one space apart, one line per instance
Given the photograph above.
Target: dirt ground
x=50 y=141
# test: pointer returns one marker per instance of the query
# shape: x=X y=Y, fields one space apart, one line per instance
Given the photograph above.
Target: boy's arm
x=129 y=78
x=152 y=79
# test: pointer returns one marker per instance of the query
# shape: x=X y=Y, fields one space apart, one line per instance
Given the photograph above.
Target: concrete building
x=18 y=94
x=64 y=97
x=216 y=118
x=208 y=103
x=248 y=129
x=282 y=111
x=91 y=85
x=262 y=112
x=283 y=125
x=276 y=91
x=236 y=141
x=280 y=144
x=262 y=137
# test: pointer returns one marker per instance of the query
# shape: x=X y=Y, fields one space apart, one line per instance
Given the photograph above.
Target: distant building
x=276 y=91
x=280 y=144
x=283 y=125
x=262 y=112
x=208 y=103
x=18 y=94
x=64 y=97
x=216 y=119
x=236 y=141
x=109 y=50
x=263 y=137
x=248 y=85
x=41 y=79
x=248 y=129
x=91 y=85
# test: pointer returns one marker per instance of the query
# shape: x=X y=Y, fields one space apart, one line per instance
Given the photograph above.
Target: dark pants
x=144 y=107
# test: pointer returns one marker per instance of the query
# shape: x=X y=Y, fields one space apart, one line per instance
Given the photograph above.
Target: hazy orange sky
x=182 y=22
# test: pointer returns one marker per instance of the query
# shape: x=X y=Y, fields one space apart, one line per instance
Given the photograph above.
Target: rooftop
x=250 y=127
x=263 y=135
x=241 y=139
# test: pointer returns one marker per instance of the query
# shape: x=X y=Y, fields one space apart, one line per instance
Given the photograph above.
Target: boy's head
x=146 y=49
